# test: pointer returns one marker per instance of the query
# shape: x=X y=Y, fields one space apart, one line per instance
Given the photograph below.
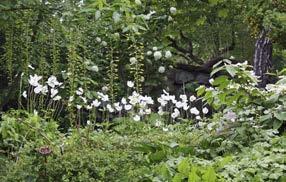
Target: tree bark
x=262 y=58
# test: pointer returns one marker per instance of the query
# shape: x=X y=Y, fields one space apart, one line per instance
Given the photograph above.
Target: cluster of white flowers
x=50 y=86
x=184 y=104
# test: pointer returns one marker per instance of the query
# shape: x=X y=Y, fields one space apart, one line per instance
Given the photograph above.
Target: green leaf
x=178 y=178
x=265 y=117
x=223 y=13
x=277 y=124
x=231 y=70
x=280 y=116
x=193 y=177
x=209 y=175
x=184 y=167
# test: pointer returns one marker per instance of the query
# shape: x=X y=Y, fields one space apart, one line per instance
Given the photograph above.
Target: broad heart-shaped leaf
x=280 y=116
x=277 y=124
x=193 y=177
x=209 y=175
x=265 y=117
x=184 y=167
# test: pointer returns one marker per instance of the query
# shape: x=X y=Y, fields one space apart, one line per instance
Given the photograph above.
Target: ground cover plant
x=133 y=90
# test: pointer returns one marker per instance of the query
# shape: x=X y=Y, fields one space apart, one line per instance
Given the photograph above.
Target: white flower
x=103 y=43
x=195 y=111
x=138 y=2
x=38 y=89
x=97 y=14
x=160 y=111
x=104 y=88
x=116 y=17
x=56 y=98
x=34 y=80
x=78 y=107
x=95 y=103
x=24 y=94
x=185 y=106
x=165 y=129
x=211 y=81
x=88 y=107
x=173 y=10
x=130 y=84
x=45 y=89
x=117 y=106
x=54 y=92
x=79 y=91
x=179 y=104
x=230 y=116
x=205 y=110
x=88 y=122
x=149 y=53
x=158 y=123
x=133 y=60
x=192 y=98
x=71 y=98
x=52 y=81
x=98 y=39
x=168 y=54
x=184 y=98
x=128 y=107
x=94 y=68
x=105 y=98
x=136 y=118
x=157 y=55
x=176 y=113
x=170 y=18
x=198 y=118
x=154 y=48
x=161 y=69
x=110 y=108
x=123 y=101
x=148 y=111
x=148 y=16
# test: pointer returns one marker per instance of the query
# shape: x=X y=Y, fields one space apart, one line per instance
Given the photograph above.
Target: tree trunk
x=262 y=58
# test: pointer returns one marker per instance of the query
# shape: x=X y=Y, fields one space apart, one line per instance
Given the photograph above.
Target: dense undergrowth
x=137 y=151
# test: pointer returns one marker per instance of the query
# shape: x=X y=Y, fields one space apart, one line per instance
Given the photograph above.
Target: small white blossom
x=94 y=68
x=173 y=10
x=195 y=111
x=95 y=103
x=161 y=69
x=136 y=118
x=211 y=81
x=157 y=55
x=155 y=48
x=116 y=17
x=34 y=80
x=128 y=107
x=54 y=92
x=52 y=81
x=149 y=53
x=79 y=91
x=97 y=14
x=130 y=84
x=103 y=43
x=158 y=123
x=192 y=98
x=168 y=54
x=98 y=39
x=133 y=60
x=205 y=110
x=57 y=98
x=170 y=18
x=110 y=108
x=24 y=94
x=88 y=122
x=176 y=113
